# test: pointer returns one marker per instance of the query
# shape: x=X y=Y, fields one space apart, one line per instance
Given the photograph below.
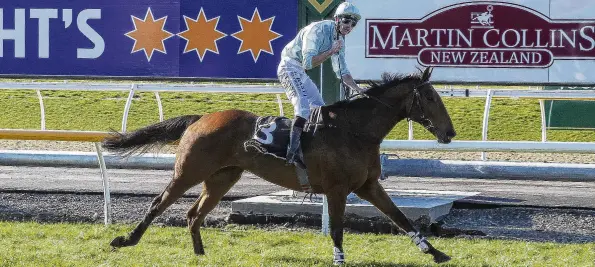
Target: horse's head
x=425 y=107
x=417 y=100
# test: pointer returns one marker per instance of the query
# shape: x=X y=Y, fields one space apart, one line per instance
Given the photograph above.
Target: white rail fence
x=449 y=91
x=388 y=145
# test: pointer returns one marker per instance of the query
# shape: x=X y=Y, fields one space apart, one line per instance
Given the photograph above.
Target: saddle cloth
x=271 y=133
x=271 y=136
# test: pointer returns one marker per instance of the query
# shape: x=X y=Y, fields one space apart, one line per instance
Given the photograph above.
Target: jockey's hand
x=355 y=88
x=337 y=46
x=358 y=89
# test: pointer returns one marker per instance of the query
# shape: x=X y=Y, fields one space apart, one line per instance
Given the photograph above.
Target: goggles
x=348 y=20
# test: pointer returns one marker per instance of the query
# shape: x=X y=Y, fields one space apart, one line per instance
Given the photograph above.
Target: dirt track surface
x=24 y=198
x=531 y=224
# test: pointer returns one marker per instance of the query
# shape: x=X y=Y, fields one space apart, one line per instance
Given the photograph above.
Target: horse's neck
x=375 y=123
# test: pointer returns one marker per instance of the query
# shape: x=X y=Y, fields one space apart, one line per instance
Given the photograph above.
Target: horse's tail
x=143 y=139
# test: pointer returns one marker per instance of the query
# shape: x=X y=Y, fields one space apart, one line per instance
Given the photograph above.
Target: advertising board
x=166 y=38
x=530 y=41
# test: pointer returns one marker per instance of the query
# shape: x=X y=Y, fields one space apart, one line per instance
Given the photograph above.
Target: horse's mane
x=388 y=80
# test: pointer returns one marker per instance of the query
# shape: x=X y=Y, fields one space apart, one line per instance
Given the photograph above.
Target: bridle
x=415 y=100
x=318 y=115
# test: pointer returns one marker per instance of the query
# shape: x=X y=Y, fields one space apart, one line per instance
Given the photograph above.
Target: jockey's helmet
x=349 y=10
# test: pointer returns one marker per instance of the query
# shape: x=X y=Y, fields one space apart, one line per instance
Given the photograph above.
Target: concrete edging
x=393 y=167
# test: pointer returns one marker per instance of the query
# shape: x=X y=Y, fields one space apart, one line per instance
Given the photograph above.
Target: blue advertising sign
x=145 y=38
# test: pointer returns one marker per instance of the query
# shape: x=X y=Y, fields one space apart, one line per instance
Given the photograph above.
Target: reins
x=416 y=99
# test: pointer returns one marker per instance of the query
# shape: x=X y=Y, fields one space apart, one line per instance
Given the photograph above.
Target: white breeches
x=299 y=88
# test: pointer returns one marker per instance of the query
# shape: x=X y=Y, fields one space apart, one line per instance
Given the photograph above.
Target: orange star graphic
x=201 y=35
x=148 y=34
x=256 y=35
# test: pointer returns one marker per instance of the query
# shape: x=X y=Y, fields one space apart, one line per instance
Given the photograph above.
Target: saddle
x=271 y=137
x=271 y=133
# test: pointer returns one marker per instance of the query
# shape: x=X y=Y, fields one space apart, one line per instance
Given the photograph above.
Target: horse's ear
x=419 y=69
x=427 y=74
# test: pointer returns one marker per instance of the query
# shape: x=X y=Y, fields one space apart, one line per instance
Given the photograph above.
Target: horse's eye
x=430 y=98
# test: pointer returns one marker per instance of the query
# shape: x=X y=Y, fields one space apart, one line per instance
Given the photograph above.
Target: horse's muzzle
x=447 y=137
x=444 y=140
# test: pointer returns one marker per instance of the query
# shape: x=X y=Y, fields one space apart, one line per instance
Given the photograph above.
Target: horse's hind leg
x=214 y=189
x=174 y=190
x=373 y=192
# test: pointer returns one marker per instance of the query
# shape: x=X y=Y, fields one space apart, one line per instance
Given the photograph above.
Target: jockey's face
x=346 y=24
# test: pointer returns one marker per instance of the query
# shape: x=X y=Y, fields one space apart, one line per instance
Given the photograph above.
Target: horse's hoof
x=119 y=242
x=199 y=252
x=440 y=257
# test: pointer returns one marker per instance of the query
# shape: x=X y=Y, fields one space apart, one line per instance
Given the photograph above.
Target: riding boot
x=297 y=127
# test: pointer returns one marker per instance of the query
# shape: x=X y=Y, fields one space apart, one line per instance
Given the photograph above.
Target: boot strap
x=419 y=240
x=339 y=257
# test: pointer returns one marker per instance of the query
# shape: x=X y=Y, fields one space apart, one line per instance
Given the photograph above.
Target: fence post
x=107 y=202
x=42 y=109
x=159 y=106
x=486 y=118
x=281 y=113
x=127 y=107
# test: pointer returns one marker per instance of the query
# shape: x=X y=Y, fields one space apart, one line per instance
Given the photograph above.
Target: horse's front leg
x=336 y=209
x=374 y=193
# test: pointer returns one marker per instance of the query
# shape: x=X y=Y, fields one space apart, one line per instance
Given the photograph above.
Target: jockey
x=313 y=45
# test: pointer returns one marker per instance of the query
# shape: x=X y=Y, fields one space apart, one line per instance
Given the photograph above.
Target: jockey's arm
x=349 y=82
x=318 y=59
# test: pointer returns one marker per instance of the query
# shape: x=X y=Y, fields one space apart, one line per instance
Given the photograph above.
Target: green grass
x=510 y=119
x=33 y=244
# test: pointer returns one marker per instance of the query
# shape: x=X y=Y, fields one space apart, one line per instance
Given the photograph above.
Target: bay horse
x=340 y=159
